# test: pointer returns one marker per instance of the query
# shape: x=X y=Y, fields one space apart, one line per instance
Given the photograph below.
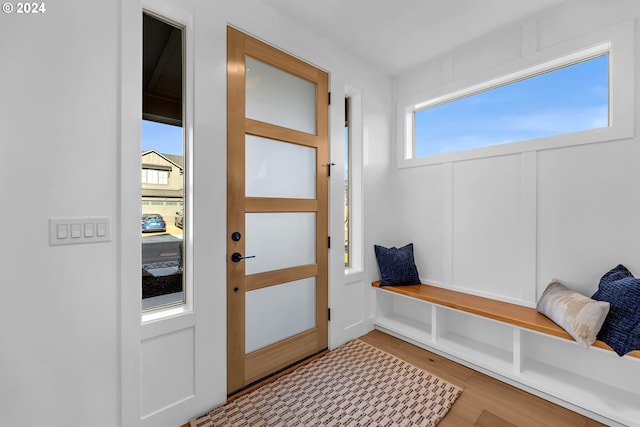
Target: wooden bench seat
x=524 y=317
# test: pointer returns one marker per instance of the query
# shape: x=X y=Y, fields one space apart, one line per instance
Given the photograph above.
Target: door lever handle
x=236 y=257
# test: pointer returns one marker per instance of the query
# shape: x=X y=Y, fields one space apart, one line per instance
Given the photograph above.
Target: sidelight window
x=163 y=165
x=347 y=185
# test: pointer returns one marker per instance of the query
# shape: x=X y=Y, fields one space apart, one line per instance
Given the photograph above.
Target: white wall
x=73 y=351
x=59 y=340
x=506 y=225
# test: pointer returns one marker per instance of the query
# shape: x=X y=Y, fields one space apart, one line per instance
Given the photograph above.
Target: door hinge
x=329 y=98
x=329 y=242
x=328 y=165
x=329 y=314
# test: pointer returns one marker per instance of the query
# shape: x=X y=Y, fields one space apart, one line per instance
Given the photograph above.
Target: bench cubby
x=486 y=341
x=406 y=315
x=515 y=344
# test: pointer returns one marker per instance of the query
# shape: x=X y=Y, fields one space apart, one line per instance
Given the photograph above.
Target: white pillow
x=581 y=316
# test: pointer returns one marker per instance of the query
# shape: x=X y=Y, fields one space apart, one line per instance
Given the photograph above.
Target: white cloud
x=513 y=128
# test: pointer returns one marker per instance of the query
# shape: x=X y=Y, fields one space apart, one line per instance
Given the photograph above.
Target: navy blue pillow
x=617 y=273
x=621 y=328
x=397 y=265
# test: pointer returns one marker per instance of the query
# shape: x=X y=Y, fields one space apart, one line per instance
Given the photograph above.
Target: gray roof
x=173 y=158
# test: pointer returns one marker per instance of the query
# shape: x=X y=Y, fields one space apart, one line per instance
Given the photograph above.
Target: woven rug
x=354 y=385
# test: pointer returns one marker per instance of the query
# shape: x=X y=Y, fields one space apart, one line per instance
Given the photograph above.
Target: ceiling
x=395 y=35
x=161 y=71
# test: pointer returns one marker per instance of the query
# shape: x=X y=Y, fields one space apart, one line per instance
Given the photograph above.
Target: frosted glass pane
x=277 y=97
x=279 y=240
x=279 y=312
x=279 y=169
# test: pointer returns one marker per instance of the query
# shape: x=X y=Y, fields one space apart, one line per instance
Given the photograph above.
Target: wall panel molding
x=447 y=222
x=528 y=226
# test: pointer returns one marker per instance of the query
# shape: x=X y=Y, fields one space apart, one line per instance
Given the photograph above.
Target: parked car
x=179 y=218
x=153 y=222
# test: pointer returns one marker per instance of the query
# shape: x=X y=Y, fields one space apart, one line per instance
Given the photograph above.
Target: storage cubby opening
x=601 y=366
x=606 y=400
x=393 y=304
x=476 y=328
x=404 y=315
x=486 y=342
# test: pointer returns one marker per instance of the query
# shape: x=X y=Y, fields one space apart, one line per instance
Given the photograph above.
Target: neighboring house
x=162 y=184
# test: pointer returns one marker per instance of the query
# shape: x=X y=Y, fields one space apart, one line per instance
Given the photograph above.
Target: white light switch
x=61 y=231
x=102 y=229
x=76 y=232
x=88 y=229
x=66 y=231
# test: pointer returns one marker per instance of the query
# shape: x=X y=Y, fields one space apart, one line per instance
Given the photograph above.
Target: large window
x=162 y=165
x=571 y=93
x=568 y=99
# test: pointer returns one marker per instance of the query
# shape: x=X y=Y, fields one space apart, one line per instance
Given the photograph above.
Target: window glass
x=152 y=176
x=564 y=100
x=162 y=166
x=292 y=100
x=347 y=189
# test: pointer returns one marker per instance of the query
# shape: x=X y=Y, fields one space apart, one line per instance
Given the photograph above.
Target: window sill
x=163 y=322
x=352 y=275
x=164 y=313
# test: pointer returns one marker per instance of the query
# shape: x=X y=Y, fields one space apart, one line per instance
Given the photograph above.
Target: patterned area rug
x=354 y=385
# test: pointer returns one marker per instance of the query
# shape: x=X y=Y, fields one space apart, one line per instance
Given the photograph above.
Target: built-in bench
x=516 y=344
x=518 y=315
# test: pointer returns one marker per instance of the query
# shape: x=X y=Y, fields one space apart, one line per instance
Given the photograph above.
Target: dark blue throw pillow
x=621 y=328
x=615 y=274
x=397 y=265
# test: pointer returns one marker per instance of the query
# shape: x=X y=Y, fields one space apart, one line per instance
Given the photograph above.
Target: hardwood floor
x=485 y=401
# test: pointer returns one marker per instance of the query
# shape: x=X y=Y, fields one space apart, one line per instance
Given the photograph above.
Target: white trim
x=447 y=223
x=129 y=261
x=618 y=40
x=527 y=282
x=518 y=75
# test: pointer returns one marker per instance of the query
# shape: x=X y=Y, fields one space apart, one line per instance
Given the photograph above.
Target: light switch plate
x=73 y=231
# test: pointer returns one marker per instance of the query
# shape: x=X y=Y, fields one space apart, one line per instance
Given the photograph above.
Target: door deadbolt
x=236 y=236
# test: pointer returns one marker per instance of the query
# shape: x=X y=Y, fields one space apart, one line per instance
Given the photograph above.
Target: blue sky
x=567 y=100
x=165 y=139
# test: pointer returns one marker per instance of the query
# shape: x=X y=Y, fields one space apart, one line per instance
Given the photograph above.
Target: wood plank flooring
x=485 y=401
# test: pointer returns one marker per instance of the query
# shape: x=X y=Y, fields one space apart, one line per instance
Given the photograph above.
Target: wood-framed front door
x=277 y=210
